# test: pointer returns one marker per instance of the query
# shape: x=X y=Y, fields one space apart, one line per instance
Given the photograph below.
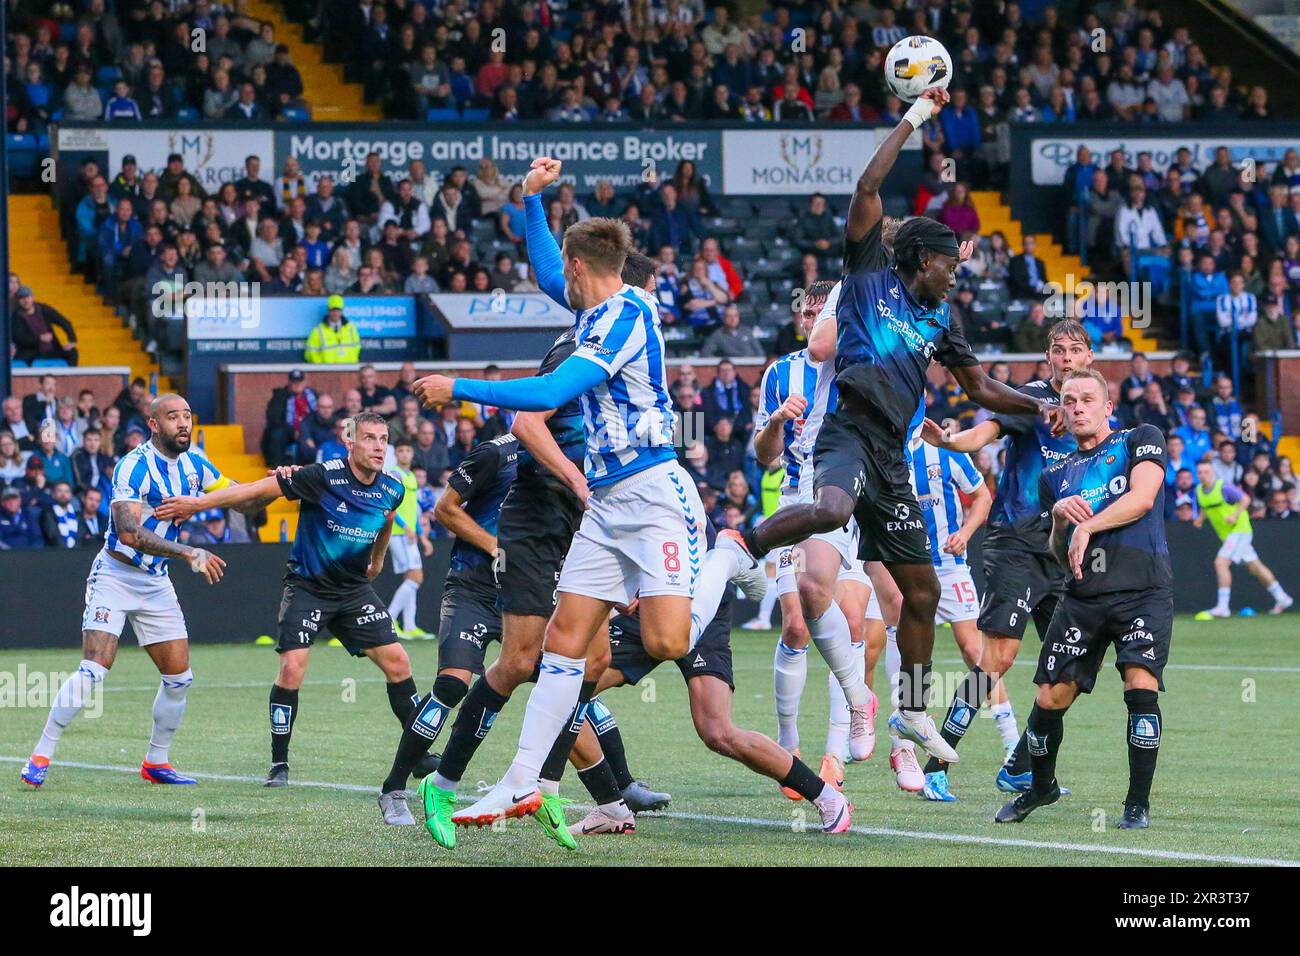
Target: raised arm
x=969 y=441
x=543 y=251
x=126 y=522
x=866 y=209
x=530 y=428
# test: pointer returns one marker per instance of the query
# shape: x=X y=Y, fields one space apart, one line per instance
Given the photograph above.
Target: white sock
x=550 y=705
x=1224 y=595
x=168 y=709
x=403 y=603
x=710 y=586
x=766 y=605
x=830 y=633
x=72 y=696
x=1276 y=592
x=619 y=810
x=893 y=663
x=791 y=670
x=827 y=792
x=837 y=734
x=1006 y=719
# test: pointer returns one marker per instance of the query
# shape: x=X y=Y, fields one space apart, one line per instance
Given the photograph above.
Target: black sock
x=600 y=783
x=1018 y=762
x=803 y=781
x=1144 y=726
x=1043 y=735
x=284 y=711
x=914 y=686
x=966 y=700
x=553 y=768
x=477 y=713
x=402 y=698
x=422 y=729
x=751 y=542
x=611 y=741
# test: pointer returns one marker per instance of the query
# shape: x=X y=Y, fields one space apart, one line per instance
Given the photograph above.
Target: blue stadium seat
x=475 y=115
x=24 y=155
x=19 y=363
x=107 y=75
x=187 y=114
x=443 y=115
x=49 y=363
x=296 y=113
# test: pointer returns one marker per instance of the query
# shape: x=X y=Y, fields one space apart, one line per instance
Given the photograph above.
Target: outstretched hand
x=177 y=509
x=939 y=97
x=433 y=390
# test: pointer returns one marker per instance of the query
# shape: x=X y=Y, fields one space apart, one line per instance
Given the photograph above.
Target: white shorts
x=856 y=572
x=844 y=540
x=642 y=536
x=873 y=608
x=958 y=600
x=116 y=594
x=406 y=554
x=1238 y=548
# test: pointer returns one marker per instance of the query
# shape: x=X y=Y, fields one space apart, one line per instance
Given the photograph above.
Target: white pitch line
x=963 y=838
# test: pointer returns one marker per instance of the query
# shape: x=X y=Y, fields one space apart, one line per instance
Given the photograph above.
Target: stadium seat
x=725 y=225
x=296 y=114
x=24 y=156
x=475 y=115
x=107 y=75
x=443 y=115
x=897 y=206
x=49 y=363
x=19 y=363
x=483 y=230
x=1015 y=311
x=736 y=208
x=188 y=114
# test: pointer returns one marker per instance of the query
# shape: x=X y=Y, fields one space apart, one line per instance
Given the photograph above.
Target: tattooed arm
x=126 y=521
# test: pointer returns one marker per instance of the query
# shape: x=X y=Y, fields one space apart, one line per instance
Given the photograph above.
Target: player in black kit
x=470 y=509
x=1021 y=579
x=1106 y=502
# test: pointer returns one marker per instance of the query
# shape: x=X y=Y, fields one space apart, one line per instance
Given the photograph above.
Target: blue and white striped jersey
x=825 y=396
x=628 y=419
x=793 y=374
x=938 y=473
x=148 y=476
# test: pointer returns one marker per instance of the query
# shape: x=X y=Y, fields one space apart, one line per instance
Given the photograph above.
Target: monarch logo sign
x=779 y=162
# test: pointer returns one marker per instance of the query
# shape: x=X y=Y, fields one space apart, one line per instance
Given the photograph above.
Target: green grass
x=1222 y=787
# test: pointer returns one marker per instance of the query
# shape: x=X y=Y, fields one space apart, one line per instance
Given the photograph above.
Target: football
x=915 y=64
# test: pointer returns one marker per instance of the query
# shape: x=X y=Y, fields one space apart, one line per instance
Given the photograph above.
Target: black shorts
x=1139 y=624
x=534 y=531
x=864 y=458
x=1018 y=585
x=711 y=657
x=468 y=621
x=358 y=618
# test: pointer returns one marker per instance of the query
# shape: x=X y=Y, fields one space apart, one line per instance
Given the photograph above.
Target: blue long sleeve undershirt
x=543 y=251
x=538 y=393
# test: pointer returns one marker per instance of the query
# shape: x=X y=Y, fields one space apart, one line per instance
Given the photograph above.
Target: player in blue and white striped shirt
x=641 y=537
x=129 y=581
x=822 y=590
x=940 y=476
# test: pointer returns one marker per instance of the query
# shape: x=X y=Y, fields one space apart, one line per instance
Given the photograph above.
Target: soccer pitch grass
x=1232 y=691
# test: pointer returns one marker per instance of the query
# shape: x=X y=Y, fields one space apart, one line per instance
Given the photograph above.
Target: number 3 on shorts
x=671 y=560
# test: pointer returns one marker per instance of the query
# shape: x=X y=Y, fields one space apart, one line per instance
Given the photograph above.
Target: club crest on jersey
x=193 y=481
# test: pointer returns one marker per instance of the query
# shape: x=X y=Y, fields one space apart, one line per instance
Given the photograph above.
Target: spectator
x=1195 y=435
x=246 y=108
x=1226 y=467
x=703 y=299
x=315 y=430
x=375 y=397
x=1030 y=335
x=1207 y=285
x=290 y=405
x=1280 y=506
x=217 y=529
x=337 y=446
x=1028 y=274
x=726 y=448
x=58 y=518
x=728 y=396
x=466 y=439
x=91 y=467
x=430 y=448
x=327 y=209
x=1273 y=329
x=17 y=531
x=335 y=340
x=731 y=340
x=958 y=212
x=721 y=270
x=33 y=331
x=673 y=224
x=1226 y=410
x=13 y=460
x=1236 y=313
x=81 y=100
x=91 y=524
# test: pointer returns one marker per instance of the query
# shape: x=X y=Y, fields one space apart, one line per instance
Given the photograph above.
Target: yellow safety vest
x=327 y=346
x=1215 y=507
